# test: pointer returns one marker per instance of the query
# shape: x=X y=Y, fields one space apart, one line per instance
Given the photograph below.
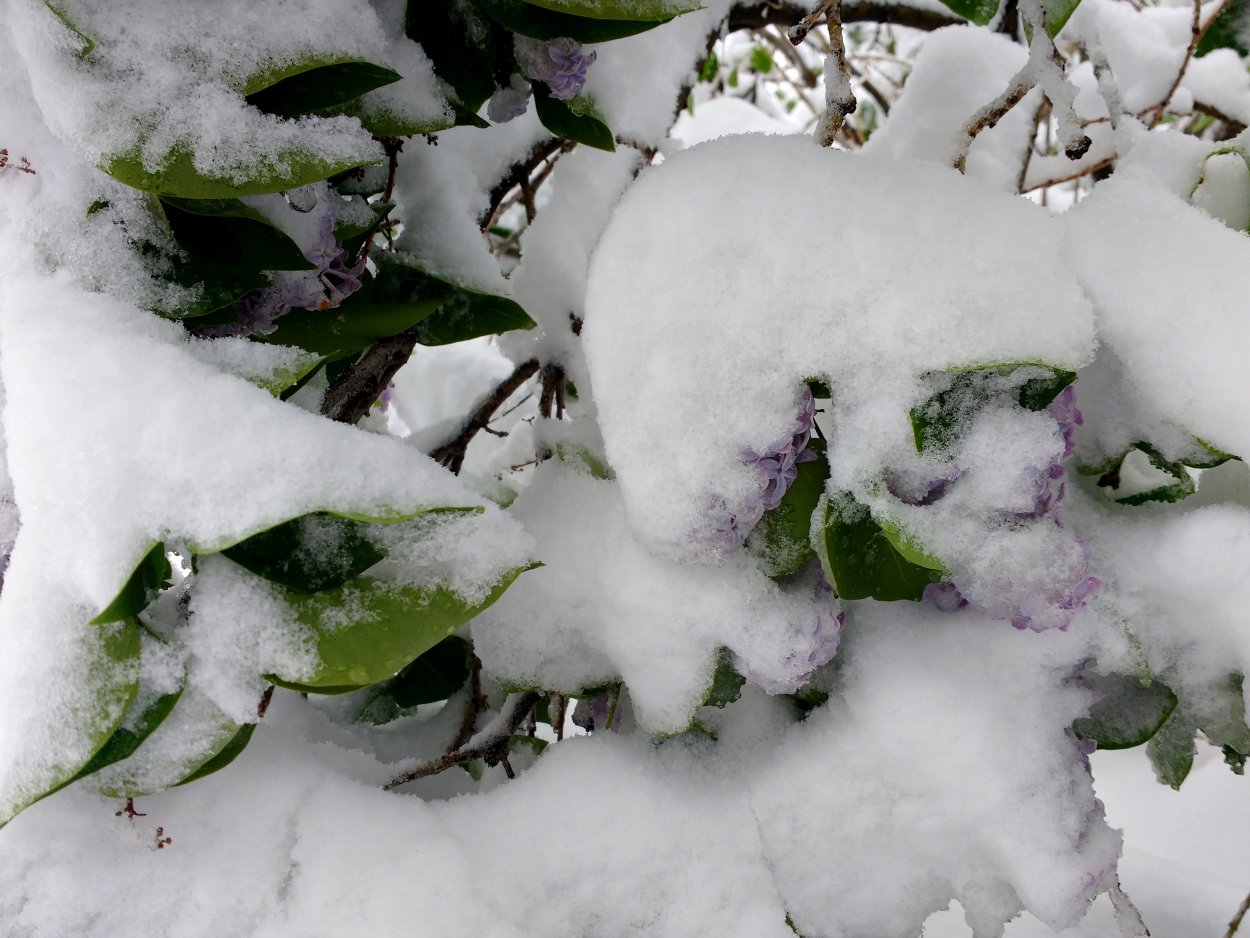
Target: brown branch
x=263 y=707
x=760 y=14
x=1237 y=919
x=991 y=114
x=356 y=389
x=451 y=454
x=839 y=96
x=1057 y=180
x=519 y=172
x=477 y=703
x=1195 y=34
x=491 y=745
x=22 y=165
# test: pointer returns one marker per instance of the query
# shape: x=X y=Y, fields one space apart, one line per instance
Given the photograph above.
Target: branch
x=355 y=391
x=490 y=745
x=519 y=173
x=1195 y=33
x=839 y=97
x=451 y=454
x=1045 y=67
x=1236 y=922
x=757 y=15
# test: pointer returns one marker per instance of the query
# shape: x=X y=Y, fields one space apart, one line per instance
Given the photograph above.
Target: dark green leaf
x=435 y=675
x=1221 y=714
x=228 y=234
x=1227 y=31
x=534 y=21
x=761 y=61
x=1171 y=750
x=311 y=553
x=460 y=41
x=573 y=120
x=1058 y=12
x=726 y=685
x=126 y=740
x=225 y=755
x=322 y=87
x=1129 y=715
x=944 y=417
x=711 y=65
x=979 y=11
x=219 y=289
x=641 y=10
x=150 y=577
x=859 y=560
x=468 y=314
x=782 y=539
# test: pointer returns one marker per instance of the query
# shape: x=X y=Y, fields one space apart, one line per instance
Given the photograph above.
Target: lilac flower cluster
x=815 y=643
x=778 y=468
x=1056 y=609
x=560 y=64
x=335 y=279
x=510 y=101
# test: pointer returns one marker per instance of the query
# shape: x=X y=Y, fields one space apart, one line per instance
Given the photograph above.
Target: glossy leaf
x=1171 y=749
x=225 y=755
x=1058 y=12
x=460 y=40
x=227 y=233
x=538 y=22
x=368 y=629
x=432 y=677
x=726 y=684
x=149 y=577
x=575 y=120
x=310 y=553
x=937 y=423
x=909 y=549
x=126 y=740
x=1221 y=714
x=469 y=314
x=782 y=540
x=1129 y=714
x=978 y=11
x=321 y=87
x=1227 y=31
x=219 y=288
x=642 y=10
x=178 y=176
x=858 y=558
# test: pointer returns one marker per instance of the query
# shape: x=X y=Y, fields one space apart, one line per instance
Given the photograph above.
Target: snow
x=728 y=301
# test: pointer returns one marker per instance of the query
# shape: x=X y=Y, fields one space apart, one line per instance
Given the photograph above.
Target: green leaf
x=470 y=314
x=86 y=43
x=909 y=549
x=939 y=422
x=112 y=683
x=366 y=630
x=1058 y=12
x=979 y=11
x=1129 y=714
x=1227 y=31
x=229 y=234
x=858 y=558
x=150 y=577
x=320 y=87
x=225 y=755
x=1171 y=749
x=177 y=176
x=1221 y=714
x=726 y=684
x=127 y=739
x=638 y=10
x=433 y=676
x=575 y=120
x=543 y=22
x=461 y=42
x=711 y=66
x=313 y=552
x=219 y=289
x=782 y=540
x=761 y=61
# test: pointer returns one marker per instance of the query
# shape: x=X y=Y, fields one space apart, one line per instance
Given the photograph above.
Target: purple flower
x=560 y=64
x=945 y=596
x=1063 y=409
x=509 y=102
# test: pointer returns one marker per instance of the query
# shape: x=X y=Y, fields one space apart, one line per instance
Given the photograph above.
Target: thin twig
x=490 y=745
x=519 y=171
x=451 y=454
x=477 y=703
x=1195 y=34
x=1236 y=921
x=839 y=96
x=356 y=389
x=263 y=707
x=759 y=14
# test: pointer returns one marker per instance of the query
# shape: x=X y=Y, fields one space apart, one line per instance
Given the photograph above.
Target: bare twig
x=356 y=389
x=22 y=165
x=1045 y=67
x=1195 y=34
x=451 y=454
x=490 y=745
x=839 y=97
x=1127 y=918
x=477 y=703
x=263 y=707
x=748 y=15
x=1084 y=171
x=519 y=172
x=1237 y=919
